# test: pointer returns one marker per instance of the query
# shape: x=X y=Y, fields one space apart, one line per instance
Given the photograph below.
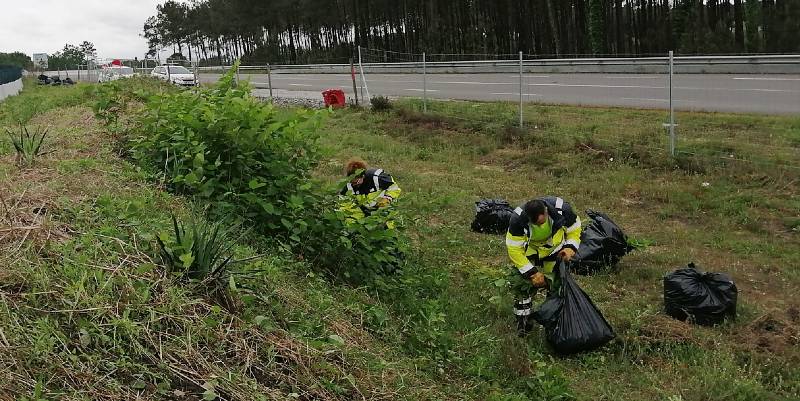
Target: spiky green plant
x=28 y=146
x=200 y=250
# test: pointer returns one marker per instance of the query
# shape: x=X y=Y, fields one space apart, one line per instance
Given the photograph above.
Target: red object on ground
x=333 y=97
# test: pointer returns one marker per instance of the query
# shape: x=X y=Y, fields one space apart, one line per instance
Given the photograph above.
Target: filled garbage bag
x=492 y=216
x=603 y=243
x=571 y=321
x=702 y=297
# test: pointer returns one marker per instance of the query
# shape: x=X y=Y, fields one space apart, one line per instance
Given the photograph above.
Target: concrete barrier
x=10 y=89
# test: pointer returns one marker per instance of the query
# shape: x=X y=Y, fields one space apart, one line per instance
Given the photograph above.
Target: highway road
x=768 y=94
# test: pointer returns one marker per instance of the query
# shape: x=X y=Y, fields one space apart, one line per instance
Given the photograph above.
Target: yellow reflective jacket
x=565 y=233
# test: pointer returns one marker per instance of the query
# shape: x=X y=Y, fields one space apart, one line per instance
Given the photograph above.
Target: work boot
x=524 y=325
x=522 y=312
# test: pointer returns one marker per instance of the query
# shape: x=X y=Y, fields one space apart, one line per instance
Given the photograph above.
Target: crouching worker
x=368 y=190
x=539 y=232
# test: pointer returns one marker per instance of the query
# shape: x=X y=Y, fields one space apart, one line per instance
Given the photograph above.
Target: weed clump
x=27 y=145
x=381 y=103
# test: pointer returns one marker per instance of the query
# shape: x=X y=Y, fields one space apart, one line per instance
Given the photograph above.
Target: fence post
x=269 y=81
x=353 y=78
x=671 y=108
x=363 y=78
x=520 y=89
x=424 y=83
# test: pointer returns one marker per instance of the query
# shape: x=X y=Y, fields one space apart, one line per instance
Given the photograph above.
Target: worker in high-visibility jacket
x=368 y=190
x=539 y=232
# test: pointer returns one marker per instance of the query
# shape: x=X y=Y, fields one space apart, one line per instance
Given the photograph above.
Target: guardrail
x=758 y=64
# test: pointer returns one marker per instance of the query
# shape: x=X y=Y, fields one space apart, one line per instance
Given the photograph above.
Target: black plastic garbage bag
x=571 y=321
x=492 y=216
x=702 y=297
x=603 y=243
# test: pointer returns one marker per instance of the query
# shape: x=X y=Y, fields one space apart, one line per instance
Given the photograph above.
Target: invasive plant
x=197 y=249
x=354 y=244
x=235 y=152
x=381 y=103
x=27 y=145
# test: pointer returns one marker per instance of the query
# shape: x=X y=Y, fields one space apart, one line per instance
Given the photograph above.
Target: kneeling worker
x=539 y=232
x=370 y=188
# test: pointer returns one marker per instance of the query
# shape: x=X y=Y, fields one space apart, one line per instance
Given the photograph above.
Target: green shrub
x=380 y=103
x=28 y=146
x=356 y=249
x=111 y=98
x=229 y=149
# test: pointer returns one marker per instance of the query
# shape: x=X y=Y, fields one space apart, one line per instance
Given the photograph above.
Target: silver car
x=114 y=73
x=176 y=74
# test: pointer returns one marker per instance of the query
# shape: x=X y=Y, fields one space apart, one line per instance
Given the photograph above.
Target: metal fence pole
x=671 y=108
x=520 y=89
x=269 y=81
x=424 y=83
x=353 y=78
x=363 y=78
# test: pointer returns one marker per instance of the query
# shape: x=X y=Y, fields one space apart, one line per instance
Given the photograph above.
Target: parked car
x=176 y=74
x=114 y=73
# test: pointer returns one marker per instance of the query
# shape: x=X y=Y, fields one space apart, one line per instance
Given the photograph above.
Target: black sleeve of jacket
x=385 y=181
x=517 y=225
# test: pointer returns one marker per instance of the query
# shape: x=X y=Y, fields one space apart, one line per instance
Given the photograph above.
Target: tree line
x=305 y=31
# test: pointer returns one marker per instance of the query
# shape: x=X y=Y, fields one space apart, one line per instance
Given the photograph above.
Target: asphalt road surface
x=769 y=94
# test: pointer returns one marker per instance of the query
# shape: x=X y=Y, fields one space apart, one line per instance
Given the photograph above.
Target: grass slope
x=87 y=311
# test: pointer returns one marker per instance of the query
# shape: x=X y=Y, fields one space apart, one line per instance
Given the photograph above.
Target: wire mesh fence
x=519 y=91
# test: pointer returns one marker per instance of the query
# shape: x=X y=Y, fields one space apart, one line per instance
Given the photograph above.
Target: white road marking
x=628 y=77
x=737 y=89
x=601 y=86
x=767 y=79
x=657 y=100
x=300 y=85
x=515 y=94
x=472 y=83
x=421 y=90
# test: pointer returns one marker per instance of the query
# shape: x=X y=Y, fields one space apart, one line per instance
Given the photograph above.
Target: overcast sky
x=45 y=26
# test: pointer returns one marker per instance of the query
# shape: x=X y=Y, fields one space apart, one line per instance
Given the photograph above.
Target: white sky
x=45 y=26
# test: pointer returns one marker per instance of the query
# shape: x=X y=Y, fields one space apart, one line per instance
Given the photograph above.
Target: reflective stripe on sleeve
x=572 y=242
x=575 y=226
x=511 y=242
x=518 y=211
x=522 y=312
x=525 y=269
x=559 y=205
x=376 y=180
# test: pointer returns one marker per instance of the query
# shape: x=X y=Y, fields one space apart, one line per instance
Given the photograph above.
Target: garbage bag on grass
x=571 y=321
x=603 y=243
x=702 y=297
x=492 y=216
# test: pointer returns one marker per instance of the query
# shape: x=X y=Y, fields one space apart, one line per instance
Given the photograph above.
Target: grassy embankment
x=87 y=308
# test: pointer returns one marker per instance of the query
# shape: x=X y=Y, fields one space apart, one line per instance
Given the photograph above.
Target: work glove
x=566 y=254
x=383 y=202
x=538 y=281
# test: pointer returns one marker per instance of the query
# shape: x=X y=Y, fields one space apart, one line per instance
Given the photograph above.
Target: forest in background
x=316 y=31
